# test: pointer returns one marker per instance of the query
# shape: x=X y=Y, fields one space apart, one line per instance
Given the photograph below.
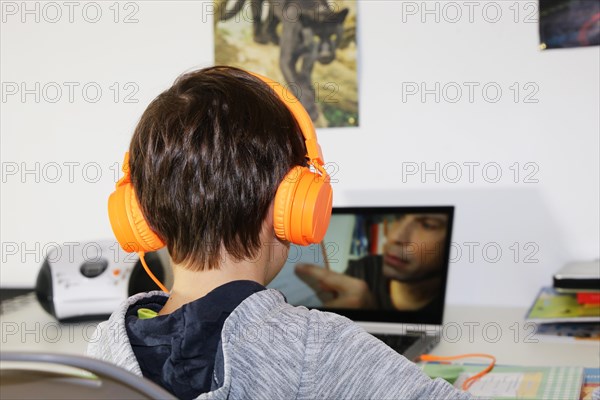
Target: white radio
x=75 y=285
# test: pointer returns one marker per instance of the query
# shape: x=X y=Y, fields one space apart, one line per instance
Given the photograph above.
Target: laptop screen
x=380 y=264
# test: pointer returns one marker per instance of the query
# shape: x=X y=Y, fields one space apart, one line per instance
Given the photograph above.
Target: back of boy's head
x=206 y=159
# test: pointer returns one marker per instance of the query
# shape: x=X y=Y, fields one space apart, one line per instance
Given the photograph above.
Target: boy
x=207 y=162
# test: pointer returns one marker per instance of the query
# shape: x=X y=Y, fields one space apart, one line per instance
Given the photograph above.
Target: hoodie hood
x=272 y=350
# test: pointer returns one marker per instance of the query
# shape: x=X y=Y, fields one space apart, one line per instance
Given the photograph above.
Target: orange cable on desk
x=469 y=381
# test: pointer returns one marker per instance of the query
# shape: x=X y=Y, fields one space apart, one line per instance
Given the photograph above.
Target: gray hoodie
x=272 y=350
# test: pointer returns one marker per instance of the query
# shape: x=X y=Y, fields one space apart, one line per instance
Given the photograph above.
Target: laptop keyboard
x=400 y=343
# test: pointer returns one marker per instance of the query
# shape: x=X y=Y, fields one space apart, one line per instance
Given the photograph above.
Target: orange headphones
x=302 y=206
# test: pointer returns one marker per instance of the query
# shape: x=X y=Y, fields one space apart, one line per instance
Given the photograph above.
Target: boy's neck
x=191 y=285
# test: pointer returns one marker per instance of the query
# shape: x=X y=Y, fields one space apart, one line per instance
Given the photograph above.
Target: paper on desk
x=508 y=384
x=526 y=383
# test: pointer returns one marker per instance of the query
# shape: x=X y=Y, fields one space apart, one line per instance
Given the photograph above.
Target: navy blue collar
x=178 y=350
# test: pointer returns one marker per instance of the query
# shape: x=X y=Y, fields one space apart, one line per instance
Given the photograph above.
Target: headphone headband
x=313 y=149
x=125 y=168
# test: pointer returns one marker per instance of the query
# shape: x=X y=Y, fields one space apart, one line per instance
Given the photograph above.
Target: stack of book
x=572 y=307
x=519 y=382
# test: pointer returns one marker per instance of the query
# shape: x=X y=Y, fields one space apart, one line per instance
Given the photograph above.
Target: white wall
x=553 y=220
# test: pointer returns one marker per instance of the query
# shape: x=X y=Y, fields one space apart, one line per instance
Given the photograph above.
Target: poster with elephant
x=307 y=45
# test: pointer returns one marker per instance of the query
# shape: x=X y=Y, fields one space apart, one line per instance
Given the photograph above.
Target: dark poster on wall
x=569 y=23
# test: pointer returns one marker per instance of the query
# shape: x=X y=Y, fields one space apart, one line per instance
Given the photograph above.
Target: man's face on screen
x=414 y=247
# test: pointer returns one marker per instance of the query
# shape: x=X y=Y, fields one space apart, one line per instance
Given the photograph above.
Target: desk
x=503 y=333
x=25 y=326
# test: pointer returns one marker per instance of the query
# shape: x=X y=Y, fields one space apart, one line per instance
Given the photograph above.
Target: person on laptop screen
x=403 y=272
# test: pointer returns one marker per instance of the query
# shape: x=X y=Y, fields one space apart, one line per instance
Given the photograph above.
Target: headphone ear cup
x=317 y=209
x=119 y=221
x=311 y=209
x=283 y=202
x=148 y=240
x=128 y=223
x=302 y=208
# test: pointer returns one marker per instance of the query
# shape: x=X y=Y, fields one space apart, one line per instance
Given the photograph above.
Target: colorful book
x=588 y=297
x=513 y=382
x=551 y=306
x=591 y=382
x=570 y=330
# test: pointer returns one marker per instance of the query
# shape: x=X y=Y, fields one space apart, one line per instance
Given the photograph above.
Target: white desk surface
x=25 y=326
x=503 y=333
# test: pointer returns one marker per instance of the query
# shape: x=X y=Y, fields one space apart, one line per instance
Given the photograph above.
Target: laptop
x=399 y=256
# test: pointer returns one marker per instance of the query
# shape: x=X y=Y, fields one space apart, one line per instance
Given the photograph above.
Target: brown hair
x=206 y=159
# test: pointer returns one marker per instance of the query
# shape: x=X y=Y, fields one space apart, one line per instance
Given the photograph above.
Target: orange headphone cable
x=469 y=381
x=150 y=274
